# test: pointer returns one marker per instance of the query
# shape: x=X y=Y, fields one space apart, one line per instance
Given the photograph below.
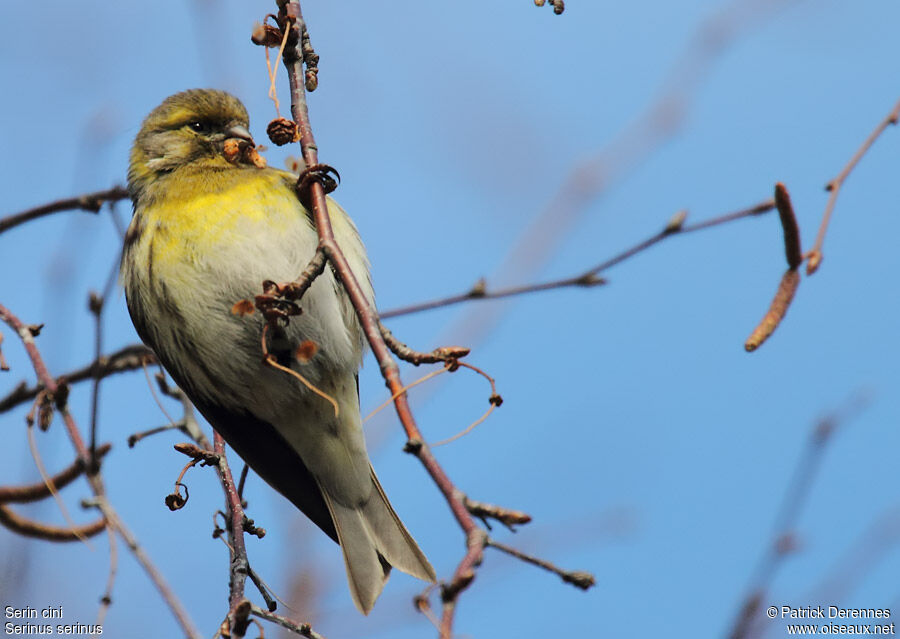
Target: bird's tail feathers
x=394 y=541
x=373 y=539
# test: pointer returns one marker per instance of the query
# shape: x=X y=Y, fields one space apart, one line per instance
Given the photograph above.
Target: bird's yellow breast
x=201 y=215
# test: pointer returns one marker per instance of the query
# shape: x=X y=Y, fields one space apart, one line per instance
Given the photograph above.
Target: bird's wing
x=266 y=451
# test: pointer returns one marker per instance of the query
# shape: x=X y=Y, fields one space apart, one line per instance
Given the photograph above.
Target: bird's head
x=188 y=127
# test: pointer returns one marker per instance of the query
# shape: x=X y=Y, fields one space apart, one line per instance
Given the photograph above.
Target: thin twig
x=783 y=541
x=134 y=438
x=507 y=517
x=240 y=566
x=162 y=586
x=41 y=490
x=125 y=359
x=390 y=399
x=814 y=257
x=106 y=599
x=59 y=393
x=302 y=629
x=29 y=528
x=495 y=401
x=90 y=202
x=95 y=305
x=588 y=278
x=271 y=604
x=577 y=578
x=442 y=354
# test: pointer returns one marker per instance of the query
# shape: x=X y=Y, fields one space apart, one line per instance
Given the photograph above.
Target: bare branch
x=128 y=358
x=29 y=528
x=311 y=191
x=577 y=578
x=590 y=277
x=302 y=629
x=90 y=202
x=58 y=392
x=783 y=540
x=507 y=517
x=40 y=490
x=814 y=258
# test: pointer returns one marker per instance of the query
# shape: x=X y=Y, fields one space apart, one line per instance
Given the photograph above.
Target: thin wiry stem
x=796 y=495
x=59 y=394
x=814 y=257
x=129 y=358
x=589 y=277
x=90 y=202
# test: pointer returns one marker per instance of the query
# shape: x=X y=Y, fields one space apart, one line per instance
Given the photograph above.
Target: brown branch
x=783 y=541
x=29 y=528
x=40 y=490
x=507 y=517
x=312 y=193
x=155 y=576
x=237 y=525
x=404 y=352
x=302 y=629
x=134 y=438
x=271 y=604
x=128 y=358
x=590 y=277
x=90 y=202
x=240 y=565
x=814 y=257
x=290 y=17
x=577 y=578
x=95 y=306
x=52 y=388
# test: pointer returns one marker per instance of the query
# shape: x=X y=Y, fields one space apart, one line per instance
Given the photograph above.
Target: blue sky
x=647 y=445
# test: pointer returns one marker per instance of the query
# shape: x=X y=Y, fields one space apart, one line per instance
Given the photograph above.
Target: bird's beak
x=239 y=131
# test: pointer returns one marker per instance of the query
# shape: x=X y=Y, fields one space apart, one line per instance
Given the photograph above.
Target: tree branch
x=90 y=202
x=589 y=277
x=129 y=358
x=814 y=257
x=312 y=193
x=796 y=495
x=29 y=528
x=41 y=490
x=58 y=394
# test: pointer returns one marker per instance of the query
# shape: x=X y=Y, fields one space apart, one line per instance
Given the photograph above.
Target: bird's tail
x=373 y=539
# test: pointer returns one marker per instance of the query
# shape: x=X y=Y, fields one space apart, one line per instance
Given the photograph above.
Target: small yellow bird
x=208 y=229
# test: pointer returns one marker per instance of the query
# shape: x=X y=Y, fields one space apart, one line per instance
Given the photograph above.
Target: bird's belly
x=194 y=289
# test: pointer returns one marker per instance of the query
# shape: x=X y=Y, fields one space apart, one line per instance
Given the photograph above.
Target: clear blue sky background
x=648 y=446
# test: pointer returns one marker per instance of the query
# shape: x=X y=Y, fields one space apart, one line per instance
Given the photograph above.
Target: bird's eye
x=199 y=126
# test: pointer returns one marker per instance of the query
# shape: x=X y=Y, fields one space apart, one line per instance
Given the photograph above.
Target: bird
x=209 y=227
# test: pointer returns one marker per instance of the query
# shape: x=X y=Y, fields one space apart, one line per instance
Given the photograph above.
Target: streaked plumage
x=205 y=234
